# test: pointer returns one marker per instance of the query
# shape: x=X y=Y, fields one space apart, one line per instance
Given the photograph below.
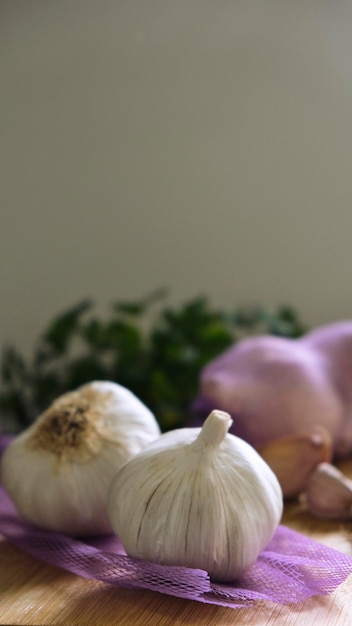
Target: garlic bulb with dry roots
x=59 y=470
x=201 y=498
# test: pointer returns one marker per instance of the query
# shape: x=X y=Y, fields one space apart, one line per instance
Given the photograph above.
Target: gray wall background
x=202 y=145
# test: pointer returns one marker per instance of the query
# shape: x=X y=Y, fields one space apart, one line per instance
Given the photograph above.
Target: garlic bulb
x=201 y=498
x=59 y=470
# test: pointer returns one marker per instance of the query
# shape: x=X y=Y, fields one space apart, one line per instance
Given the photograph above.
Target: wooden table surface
x=34 y=593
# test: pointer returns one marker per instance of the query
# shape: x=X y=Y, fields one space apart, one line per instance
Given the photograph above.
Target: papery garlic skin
x=200 y=498
x=58 y=471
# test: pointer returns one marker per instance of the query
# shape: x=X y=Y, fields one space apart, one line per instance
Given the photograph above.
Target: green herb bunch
x=154 y=349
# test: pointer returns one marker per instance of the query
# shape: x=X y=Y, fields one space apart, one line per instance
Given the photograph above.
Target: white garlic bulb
x=201 y=498
x=58 y=471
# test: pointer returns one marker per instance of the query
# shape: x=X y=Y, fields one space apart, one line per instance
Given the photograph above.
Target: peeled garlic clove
x=328 y=493
x=58 y=471
x=201 y=498
x=294 y=458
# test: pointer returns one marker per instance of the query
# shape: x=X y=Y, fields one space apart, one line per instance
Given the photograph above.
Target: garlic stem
x=214 y=430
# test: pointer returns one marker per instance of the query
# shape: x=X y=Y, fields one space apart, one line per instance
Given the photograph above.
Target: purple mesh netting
x=291 y=569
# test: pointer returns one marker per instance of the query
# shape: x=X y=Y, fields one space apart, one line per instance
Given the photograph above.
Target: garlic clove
x=294 y=458
x=328 y=493
x=58 y=471
x=200 y=498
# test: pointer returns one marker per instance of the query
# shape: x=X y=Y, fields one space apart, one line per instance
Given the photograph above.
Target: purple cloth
x=291 y=569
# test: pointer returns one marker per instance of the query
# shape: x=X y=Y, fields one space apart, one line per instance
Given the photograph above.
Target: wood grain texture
x=34 y=593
